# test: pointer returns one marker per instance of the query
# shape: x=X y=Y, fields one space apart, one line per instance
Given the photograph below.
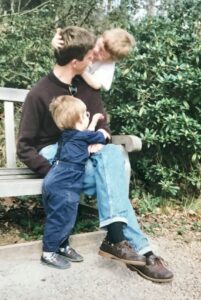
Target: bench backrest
x=9 y=96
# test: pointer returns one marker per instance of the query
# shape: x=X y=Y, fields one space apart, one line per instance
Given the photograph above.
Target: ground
x=22 y=220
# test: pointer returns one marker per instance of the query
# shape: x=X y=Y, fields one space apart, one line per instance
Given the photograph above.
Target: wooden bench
x=21 y=181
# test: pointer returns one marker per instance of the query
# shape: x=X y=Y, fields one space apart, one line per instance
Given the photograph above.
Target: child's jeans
x=105 y=178
x=61 y=194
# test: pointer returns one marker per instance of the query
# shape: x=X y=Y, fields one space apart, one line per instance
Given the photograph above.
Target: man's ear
x=74 y=63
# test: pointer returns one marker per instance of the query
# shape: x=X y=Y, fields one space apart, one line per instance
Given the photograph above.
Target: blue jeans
x=105 y=178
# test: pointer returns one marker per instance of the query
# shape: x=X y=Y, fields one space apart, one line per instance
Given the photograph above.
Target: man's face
x=81 y=65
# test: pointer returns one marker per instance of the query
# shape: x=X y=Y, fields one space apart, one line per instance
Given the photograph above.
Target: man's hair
x=77 y=42
x=66 y=111
x=118 y=43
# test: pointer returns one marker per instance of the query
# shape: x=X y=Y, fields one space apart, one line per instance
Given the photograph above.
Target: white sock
x=47 y=254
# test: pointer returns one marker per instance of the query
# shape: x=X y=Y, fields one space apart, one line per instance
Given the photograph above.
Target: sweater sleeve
x=28 y=133
x=94 y=137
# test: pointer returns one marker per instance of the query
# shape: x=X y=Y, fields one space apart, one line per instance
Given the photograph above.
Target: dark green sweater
x=37 y=128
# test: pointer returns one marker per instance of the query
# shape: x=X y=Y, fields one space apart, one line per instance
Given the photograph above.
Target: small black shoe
x=56 y=261
x=70 y=253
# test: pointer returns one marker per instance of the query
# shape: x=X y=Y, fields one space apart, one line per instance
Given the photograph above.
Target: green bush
x=157 y=95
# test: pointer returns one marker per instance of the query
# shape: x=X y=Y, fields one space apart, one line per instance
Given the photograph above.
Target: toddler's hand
x=97 y=117
x=57 y=41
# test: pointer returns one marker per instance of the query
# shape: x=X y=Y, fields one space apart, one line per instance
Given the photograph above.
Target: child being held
x=63 y=184
x=112 y=46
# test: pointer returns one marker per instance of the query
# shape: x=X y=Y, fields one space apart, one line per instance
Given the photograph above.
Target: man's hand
x=95 y=148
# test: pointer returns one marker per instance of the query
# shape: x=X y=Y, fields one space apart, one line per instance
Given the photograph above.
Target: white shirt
x=103 y=73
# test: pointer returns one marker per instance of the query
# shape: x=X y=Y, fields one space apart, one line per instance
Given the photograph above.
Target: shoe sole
x=133 y=262
x=158 y=280
x=53 y=266
x=71 y=259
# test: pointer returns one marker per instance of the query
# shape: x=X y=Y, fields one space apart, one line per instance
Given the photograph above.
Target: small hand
x=97 y=117
x=95 y=148
x=105 y=133
x=57 y=41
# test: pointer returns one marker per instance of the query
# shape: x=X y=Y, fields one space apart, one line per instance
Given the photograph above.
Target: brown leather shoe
x=154 y=270
x=122 y=251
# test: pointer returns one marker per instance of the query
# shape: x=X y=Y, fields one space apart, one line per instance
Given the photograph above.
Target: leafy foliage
x=157 y=94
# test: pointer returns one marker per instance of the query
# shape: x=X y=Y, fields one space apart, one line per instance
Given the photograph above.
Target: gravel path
x=23 y=277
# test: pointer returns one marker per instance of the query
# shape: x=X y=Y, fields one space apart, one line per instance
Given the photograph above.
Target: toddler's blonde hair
x=67 y=111
x=118 y=43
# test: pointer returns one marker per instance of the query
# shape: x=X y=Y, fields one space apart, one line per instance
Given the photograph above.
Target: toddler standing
x=63 y=183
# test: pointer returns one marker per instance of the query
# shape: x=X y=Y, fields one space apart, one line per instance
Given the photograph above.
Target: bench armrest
x=130 y=142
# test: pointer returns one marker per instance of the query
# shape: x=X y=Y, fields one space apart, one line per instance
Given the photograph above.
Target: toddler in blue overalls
x=63 y=184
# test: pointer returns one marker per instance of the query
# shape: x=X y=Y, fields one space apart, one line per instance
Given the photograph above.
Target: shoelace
x=159 y=260
x=70 y=250
x=127 y=245
x=53 y=257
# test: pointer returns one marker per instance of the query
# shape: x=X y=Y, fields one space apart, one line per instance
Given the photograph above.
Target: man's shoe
x=154 y=270
x=70 y=254
x=121 y=251
x=55 y=260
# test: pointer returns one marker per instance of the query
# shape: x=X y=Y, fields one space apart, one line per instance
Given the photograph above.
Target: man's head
x=78 y=45
x=114 y=44
x=68 y=111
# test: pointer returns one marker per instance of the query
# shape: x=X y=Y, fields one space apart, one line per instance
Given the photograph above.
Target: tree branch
x=27 y=11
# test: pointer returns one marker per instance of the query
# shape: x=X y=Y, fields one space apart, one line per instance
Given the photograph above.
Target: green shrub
x=157 y=95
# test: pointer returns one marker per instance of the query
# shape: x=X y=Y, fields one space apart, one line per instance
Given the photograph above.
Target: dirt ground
x=22 y=221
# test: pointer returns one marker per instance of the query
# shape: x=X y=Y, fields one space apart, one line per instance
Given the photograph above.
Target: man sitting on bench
x=105 y=177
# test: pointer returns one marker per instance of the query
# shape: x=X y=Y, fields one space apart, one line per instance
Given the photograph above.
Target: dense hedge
x=157 y=95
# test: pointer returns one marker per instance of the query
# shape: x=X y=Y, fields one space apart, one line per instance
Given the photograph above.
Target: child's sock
x=47 y=255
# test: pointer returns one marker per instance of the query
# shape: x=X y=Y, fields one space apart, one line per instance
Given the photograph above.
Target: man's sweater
x=37 y=128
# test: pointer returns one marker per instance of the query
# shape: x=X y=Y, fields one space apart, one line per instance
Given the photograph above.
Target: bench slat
x=20 y=187
x=15 y=176
x=15 y=171
x=14 y=95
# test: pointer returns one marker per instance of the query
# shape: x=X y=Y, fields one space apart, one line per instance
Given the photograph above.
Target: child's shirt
x=103 y=72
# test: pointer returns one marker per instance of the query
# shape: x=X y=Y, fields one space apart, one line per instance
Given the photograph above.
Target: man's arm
x=27 y=139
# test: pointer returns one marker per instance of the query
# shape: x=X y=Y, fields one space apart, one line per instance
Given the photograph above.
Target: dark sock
x=115 y=233
x=148 y=254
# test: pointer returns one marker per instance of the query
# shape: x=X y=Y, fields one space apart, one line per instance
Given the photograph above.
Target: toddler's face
x=100 y=54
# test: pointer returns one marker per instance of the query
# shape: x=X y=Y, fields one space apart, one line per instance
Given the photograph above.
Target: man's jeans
x=105 y=178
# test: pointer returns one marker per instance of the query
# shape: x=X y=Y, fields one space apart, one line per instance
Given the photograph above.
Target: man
x=104 y=174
